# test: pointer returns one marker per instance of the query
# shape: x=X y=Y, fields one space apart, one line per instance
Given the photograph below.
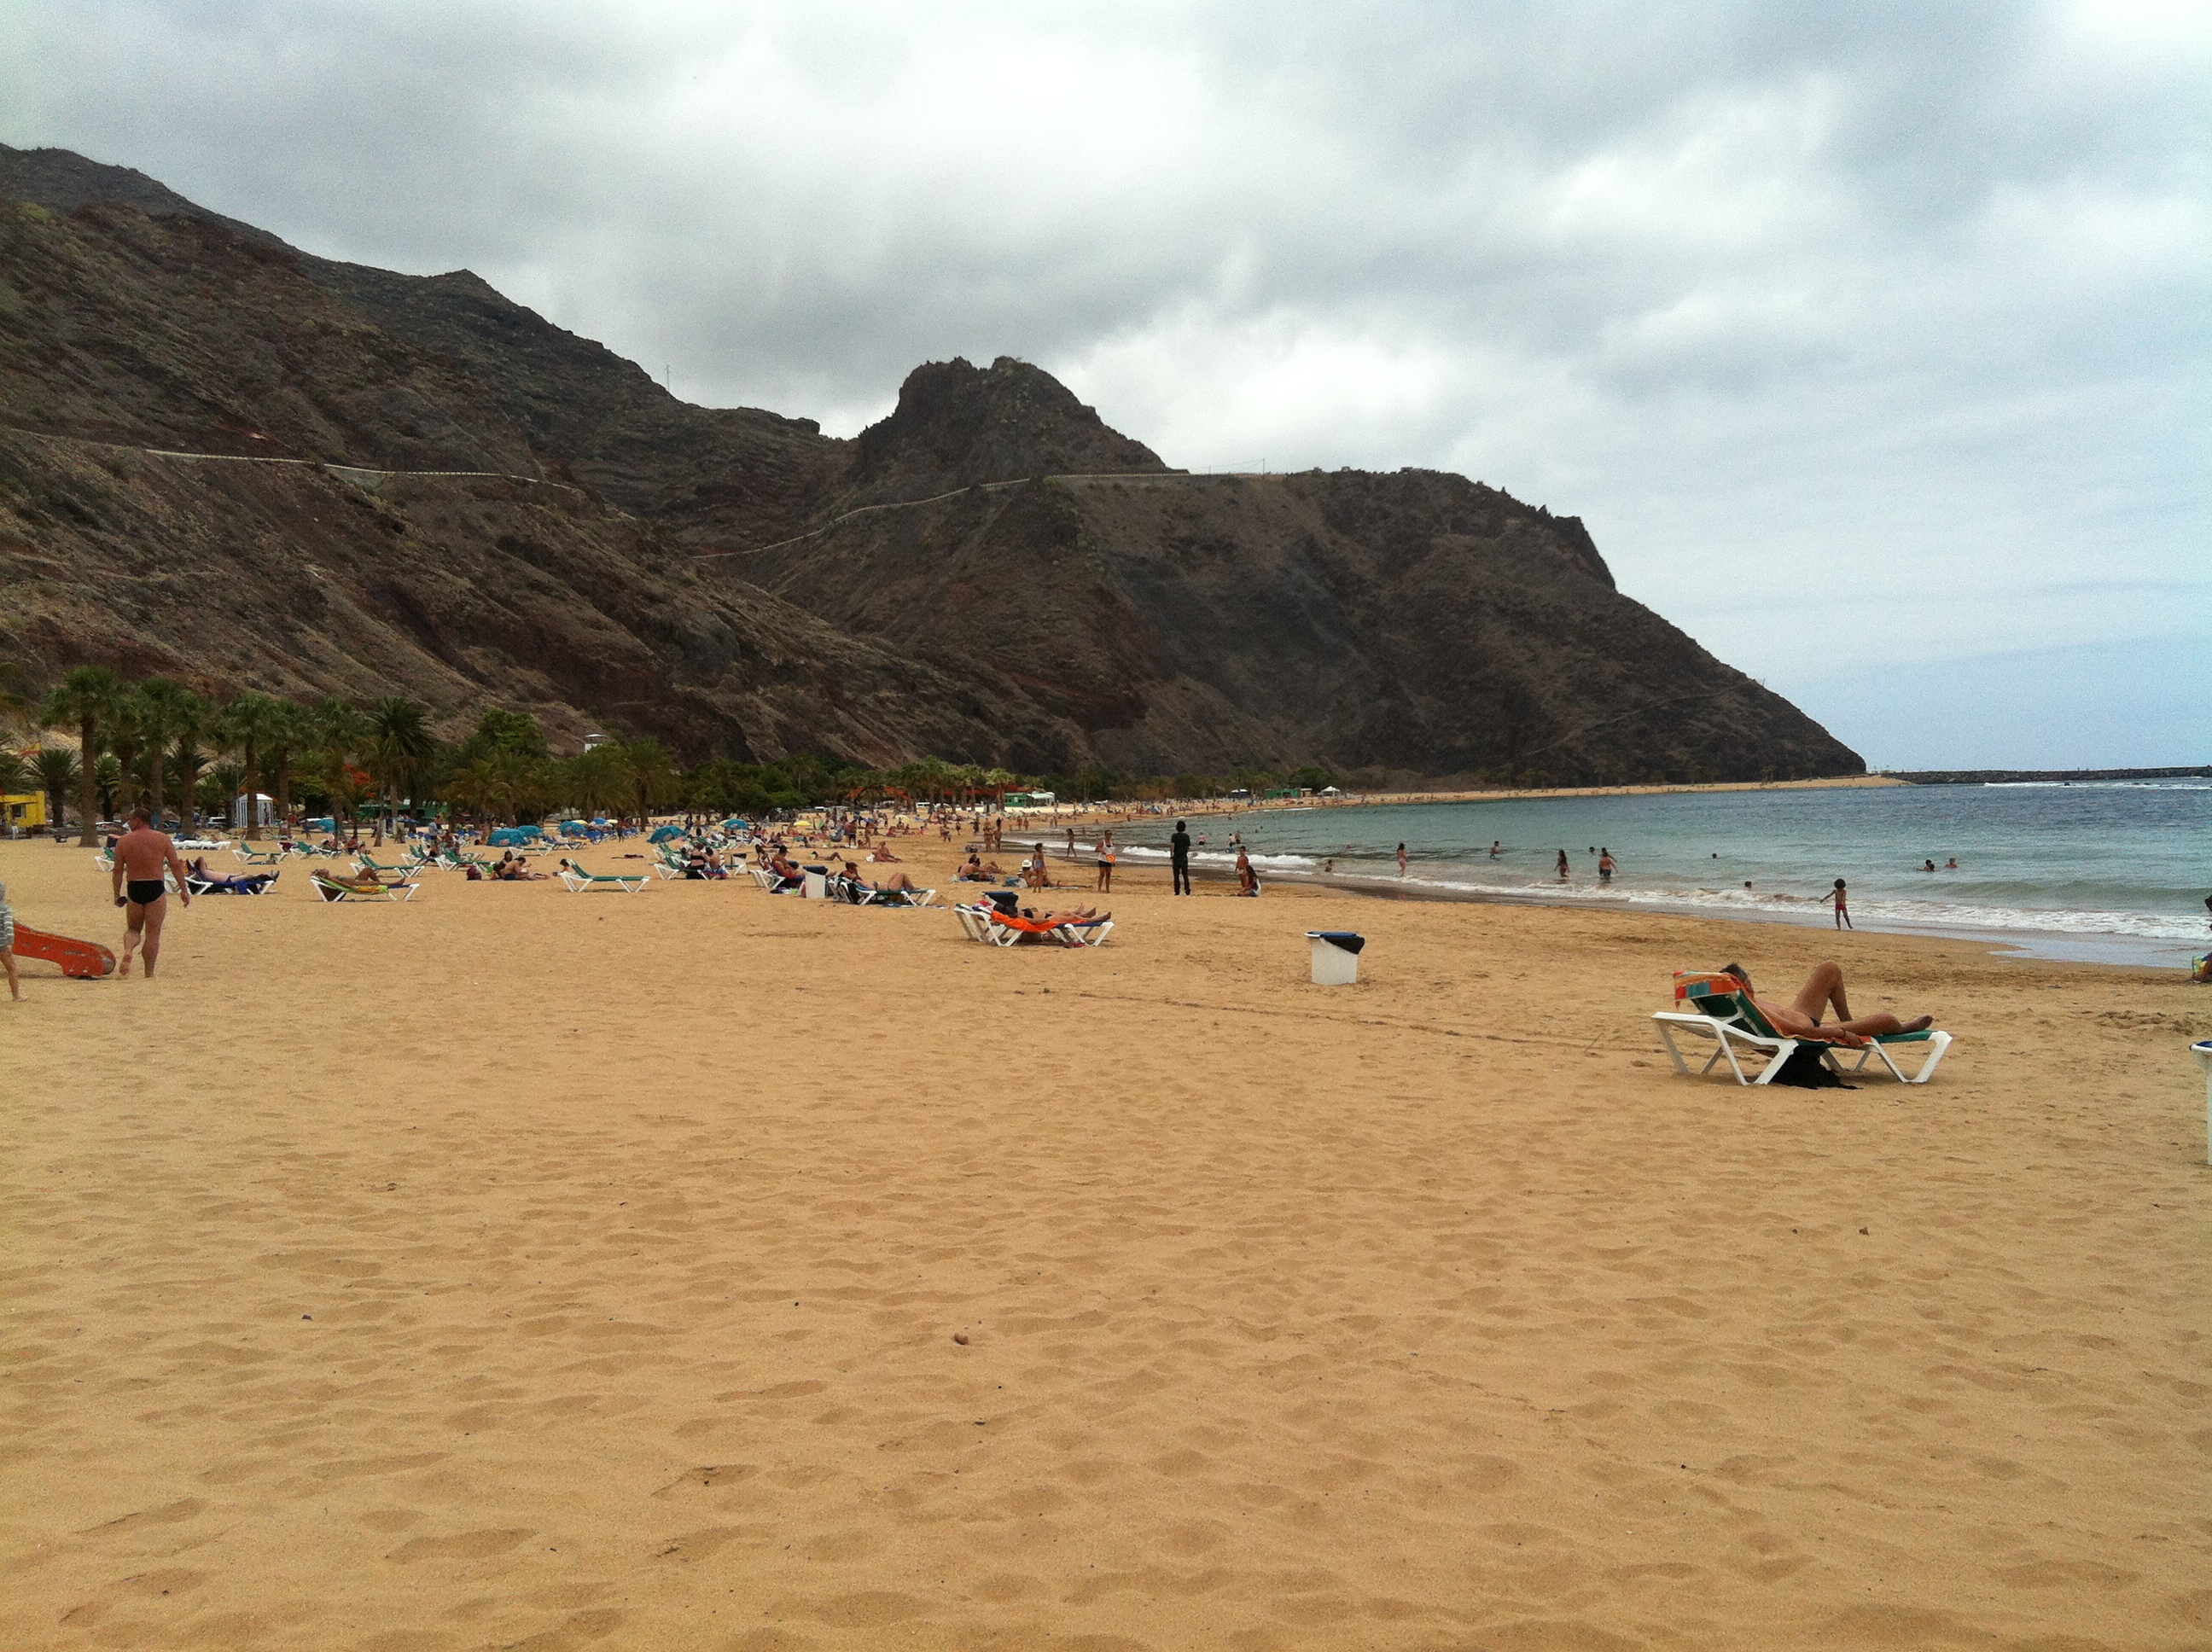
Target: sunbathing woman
x=1801 y=1017
x=228 y=882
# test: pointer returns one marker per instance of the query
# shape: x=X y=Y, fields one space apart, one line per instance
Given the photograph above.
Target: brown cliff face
x=1101 y=610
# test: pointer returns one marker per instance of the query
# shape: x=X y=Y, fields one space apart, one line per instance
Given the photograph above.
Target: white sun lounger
x=627 y=883
x=1725 y=1014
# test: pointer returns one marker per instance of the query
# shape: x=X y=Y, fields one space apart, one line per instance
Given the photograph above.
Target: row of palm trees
x=155 y=740
x=158 y=729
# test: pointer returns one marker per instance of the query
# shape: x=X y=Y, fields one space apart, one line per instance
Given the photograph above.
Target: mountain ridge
x=1103 y=609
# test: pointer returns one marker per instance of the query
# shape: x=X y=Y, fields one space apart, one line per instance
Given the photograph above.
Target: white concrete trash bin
x=1336 y=956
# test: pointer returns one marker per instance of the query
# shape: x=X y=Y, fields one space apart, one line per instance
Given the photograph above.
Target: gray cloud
x=1861 y=337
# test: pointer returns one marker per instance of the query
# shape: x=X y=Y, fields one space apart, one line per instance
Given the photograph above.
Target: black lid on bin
x=1343 y=937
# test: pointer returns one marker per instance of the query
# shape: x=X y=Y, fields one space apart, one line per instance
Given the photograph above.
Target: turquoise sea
x=2116 y=871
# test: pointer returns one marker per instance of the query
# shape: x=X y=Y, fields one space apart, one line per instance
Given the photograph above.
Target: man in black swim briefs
x=142 y=856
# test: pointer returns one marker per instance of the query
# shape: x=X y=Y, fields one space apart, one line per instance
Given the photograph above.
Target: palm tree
x=248 y=726
x=85 y=697
x=473 y=788
x=340 y=731
x=108 y=781
x=195 y=721
x=290 y=733
x=126 y=739
x=188 y=759
x=222 y=787
x=161 y=703
x=58 y=772
x=399 y=744
x=653 y=776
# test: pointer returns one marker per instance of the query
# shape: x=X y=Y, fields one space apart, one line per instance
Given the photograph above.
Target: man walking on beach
x=1179 y=858
x=142 y=855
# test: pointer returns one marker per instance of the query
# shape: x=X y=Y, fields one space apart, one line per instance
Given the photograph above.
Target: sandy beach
x=513 y=1268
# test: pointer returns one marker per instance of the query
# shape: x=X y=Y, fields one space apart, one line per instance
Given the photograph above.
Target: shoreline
x=2024 y=946
x=1106 y=813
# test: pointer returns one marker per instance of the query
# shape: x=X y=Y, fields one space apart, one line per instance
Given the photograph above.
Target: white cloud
x=1871 y=331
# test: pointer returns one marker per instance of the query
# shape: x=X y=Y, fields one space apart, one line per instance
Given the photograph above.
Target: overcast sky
x=1869 y=340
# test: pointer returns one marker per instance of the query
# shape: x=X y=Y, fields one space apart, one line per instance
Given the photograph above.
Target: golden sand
x=514 y=1268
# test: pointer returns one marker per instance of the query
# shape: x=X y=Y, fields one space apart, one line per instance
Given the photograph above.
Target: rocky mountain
x=990 y=574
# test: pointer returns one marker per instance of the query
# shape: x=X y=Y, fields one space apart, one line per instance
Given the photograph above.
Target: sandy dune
x=521 y=1269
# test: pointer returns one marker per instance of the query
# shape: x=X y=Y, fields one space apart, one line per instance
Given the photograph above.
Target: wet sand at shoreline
x=517 y=1268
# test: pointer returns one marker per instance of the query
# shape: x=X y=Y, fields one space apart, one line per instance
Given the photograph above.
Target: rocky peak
x=957 y=424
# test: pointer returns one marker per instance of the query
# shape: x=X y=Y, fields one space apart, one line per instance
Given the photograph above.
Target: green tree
x=219 y=787
x=58 y=773
x=655 y=780
x=291 y=731
x=126 y=739
x=472 y=788
x=107 y=782
x=399 y=745
x=340 y=731
x=596 y=780
x=86 y=697
x=159 y=703
x=250 y=725
x=500 y=730
x=195 y=719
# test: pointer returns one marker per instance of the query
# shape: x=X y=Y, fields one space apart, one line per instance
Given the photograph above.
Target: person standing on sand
x=142 y=855
x=8 y=946
x=1105 y=852
x=1843 y=908
x=1179 y=859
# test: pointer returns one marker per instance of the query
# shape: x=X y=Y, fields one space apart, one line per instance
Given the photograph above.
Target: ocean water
x=2116 y=871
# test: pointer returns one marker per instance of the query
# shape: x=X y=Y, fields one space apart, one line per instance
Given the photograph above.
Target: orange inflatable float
x=84 y=960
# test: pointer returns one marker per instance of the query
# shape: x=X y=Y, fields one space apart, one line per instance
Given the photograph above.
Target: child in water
x=1843 y=908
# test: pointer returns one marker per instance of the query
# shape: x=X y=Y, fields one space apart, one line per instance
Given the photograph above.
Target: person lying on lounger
x=1801 y=1017
x=228 y=882
x=363 y=882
